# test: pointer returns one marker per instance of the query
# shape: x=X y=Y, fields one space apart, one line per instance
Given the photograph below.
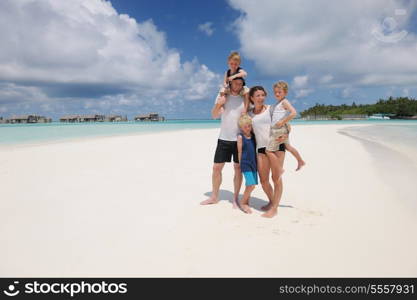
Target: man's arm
x=218 y=107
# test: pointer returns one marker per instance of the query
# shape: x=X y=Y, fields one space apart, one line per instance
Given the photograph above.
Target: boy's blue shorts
x=251 y=178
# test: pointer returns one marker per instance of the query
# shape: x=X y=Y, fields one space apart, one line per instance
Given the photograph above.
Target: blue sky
x=133 y=57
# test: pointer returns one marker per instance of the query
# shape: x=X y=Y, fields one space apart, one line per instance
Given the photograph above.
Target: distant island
x=392 y=108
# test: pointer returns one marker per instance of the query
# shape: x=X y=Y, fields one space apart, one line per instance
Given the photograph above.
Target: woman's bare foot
x=272 y=212
x=301 y=164
x=266 y=207
x=211 y=200
x=235 y=204
x=245 y=208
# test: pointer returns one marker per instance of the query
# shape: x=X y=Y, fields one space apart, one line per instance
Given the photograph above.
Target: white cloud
x=58 y=48
x=303 y=93
x=300 y=81
x=207 y=28
x=326 y=79
x=318 y=37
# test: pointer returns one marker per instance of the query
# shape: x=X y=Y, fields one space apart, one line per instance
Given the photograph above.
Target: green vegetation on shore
x=396 y=107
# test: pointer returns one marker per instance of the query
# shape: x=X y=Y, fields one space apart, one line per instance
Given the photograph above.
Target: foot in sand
x=245 y=208
x=272 y=212
x=235 y=204
x=301 y=164
x=211 y=200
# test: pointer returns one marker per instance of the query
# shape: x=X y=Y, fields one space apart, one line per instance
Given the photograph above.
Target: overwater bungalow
x=82 y=118
x=70 y=118
x=150 y=117
x=28 y=119
x=92 y=118
x=115 y=118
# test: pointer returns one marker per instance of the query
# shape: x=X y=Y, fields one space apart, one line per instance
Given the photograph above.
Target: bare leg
x=244 y=202
x=277 y=162
x=216 y=180
x=264 y=171
x=237 y=182
x=296 y=154
x=279 y=170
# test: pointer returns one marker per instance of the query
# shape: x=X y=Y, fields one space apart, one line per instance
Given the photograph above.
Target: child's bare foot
x=266 y=207
x=245 y=208
x=211 y=200
x=272 y=212
x=301 y=164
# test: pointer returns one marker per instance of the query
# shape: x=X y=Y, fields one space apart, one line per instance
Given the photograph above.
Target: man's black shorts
x=225 y=150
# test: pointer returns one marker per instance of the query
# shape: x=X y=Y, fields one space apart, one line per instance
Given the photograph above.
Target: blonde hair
x=281 y=85
x=234 y=55
x=245 y=120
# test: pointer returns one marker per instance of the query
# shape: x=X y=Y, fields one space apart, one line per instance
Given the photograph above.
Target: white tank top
x=279 y=113
x=229 y=127
x=261 y=124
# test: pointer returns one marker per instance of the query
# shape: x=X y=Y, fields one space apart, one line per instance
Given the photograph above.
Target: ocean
x=13 y=134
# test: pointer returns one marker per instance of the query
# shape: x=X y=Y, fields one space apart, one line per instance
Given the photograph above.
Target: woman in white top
x=261 y=124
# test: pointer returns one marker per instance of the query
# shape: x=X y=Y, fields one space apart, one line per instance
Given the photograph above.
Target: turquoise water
x=45 y=132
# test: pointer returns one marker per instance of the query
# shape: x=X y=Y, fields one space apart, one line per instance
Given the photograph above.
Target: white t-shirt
x=229 y=127
x=261 y=124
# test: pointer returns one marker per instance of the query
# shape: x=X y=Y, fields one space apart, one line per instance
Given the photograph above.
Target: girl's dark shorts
x=281 y=148
x=225 y=150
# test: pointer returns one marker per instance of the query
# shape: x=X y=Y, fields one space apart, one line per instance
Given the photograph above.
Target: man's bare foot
x=272 y=212
x=301 y=164
x=245 y=208
x=211 y=200
x=266 y=207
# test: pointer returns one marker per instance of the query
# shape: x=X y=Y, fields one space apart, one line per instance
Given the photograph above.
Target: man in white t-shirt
x=230 y=108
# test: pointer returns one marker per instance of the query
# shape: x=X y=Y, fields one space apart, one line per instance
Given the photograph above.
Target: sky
x=60 y=57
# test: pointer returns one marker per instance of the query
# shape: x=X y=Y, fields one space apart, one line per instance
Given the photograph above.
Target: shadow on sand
x=255 y=202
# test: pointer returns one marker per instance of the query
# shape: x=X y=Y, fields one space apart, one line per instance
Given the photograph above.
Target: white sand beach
x=128 y=206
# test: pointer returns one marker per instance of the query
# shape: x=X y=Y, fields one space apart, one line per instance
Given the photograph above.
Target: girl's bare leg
x=296 y=154
x=244 y=202
x=276 y=160
x=264 y=169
